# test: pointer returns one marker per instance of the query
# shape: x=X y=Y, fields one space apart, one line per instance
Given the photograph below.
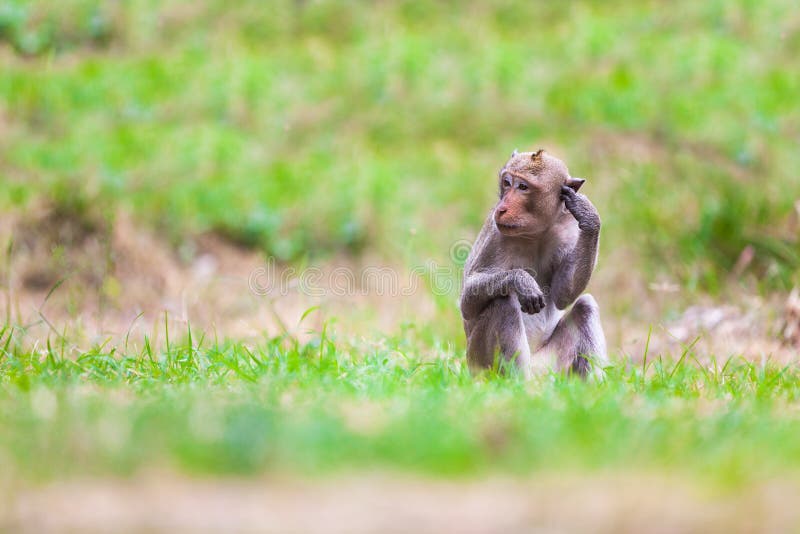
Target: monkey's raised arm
x=573 y=274
x=481 y=287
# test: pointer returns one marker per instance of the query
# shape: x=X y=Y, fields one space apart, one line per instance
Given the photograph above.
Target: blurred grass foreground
x=153 y=154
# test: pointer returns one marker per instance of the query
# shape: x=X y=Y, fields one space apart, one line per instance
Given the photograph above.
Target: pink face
x=530 y=193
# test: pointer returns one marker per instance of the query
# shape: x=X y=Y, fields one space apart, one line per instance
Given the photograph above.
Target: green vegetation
x=330 y=129
x=308 y=128
x=326 y=406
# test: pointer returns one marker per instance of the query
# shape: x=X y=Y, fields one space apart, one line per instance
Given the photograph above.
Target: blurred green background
x=309 y=129
x=150 y=147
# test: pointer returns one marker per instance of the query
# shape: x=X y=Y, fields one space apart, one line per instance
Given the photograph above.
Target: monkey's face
x=530 y=194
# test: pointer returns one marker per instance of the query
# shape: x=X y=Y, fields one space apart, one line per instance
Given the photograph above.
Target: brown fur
x=532 y=259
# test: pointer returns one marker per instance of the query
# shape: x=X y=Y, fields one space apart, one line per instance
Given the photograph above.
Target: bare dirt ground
x=92 y=282
x=381 y=503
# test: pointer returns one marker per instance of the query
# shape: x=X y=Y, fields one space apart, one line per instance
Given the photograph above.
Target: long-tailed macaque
x=532 y=259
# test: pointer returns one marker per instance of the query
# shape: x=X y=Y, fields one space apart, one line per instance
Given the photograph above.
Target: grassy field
x=326 y=407
x=140 y=138
x=307 y=129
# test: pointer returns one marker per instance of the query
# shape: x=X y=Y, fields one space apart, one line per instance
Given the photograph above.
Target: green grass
x=327 y=406
x=339 y=127
x=322 y=129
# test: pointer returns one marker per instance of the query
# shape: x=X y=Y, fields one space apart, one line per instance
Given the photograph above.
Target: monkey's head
x=530 y=193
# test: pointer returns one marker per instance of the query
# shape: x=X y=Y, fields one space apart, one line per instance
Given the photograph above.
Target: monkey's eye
x=506 y=182
x=522 y=186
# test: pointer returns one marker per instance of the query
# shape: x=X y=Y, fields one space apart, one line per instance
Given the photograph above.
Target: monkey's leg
x=578 y=341
x=499 y=332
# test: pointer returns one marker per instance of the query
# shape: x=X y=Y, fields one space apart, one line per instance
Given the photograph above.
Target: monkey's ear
x=514 y=153
x=575 y=183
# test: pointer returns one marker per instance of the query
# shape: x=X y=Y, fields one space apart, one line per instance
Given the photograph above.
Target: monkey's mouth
x=507 y=227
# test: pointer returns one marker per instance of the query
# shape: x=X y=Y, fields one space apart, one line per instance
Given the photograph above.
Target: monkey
x=531 y=260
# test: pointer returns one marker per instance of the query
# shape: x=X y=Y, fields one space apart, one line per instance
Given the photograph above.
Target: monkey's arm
x=481 y=287
x=573 y=274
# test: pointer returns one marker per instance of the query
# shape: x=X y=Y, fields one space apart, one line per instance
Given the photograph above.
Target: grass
x=307 y=131
x=321 y=130
x=224 y=408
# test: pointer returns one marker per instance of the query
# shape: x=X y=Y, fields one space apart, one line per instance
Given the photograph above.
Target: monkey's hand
x=530 y=296
x=581 y=208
